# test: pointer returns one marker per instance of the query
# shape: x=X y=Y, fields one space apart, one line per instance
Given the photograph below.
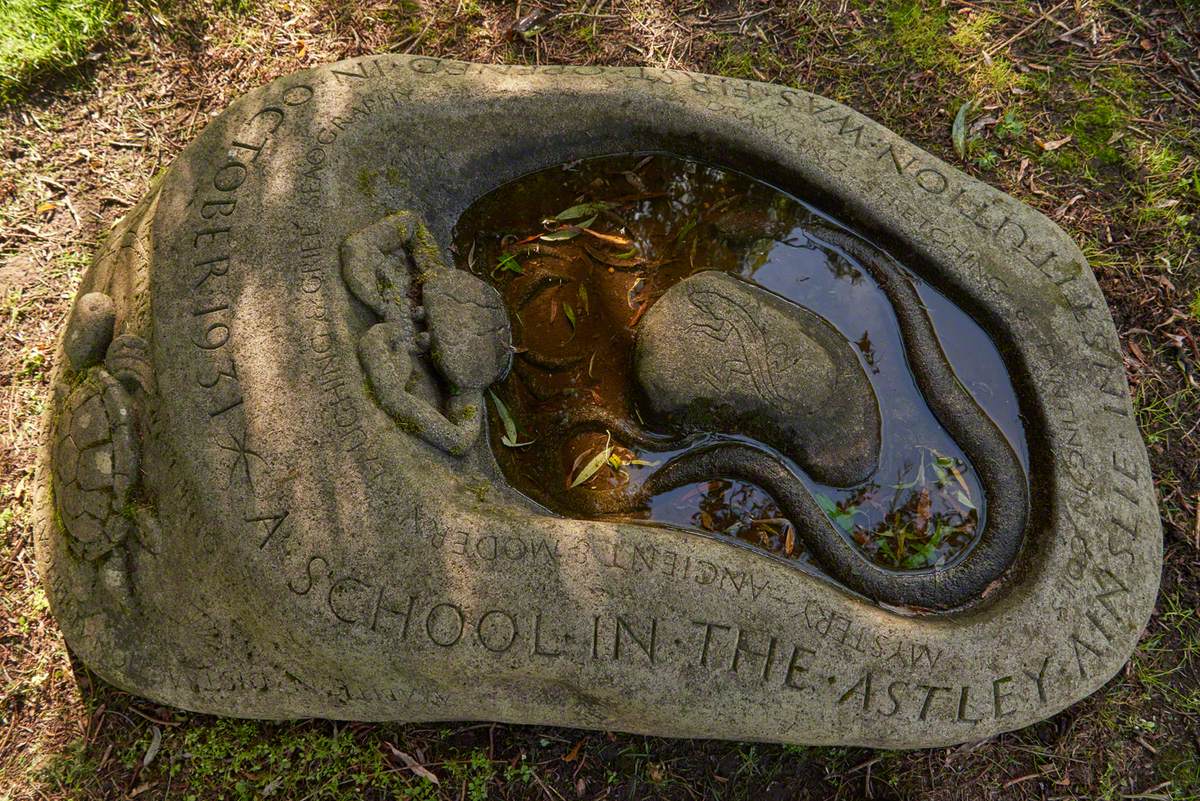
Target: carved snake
x=997 y=465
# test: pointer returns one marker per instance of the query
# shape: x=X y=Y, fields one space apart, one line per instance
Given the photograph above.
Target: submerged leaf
x=510 y=426
x=508 y=263
x=625 y=260
x=591 y=468
x=615 y=239
x=566 y=232
x=843 y=517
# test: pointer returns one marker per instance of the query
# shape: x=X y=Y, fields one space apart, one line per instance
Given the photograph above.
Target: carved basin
x=269 y=488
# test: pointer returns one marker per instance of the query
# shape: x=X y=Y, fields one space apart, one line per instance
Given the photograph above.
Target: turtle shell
x=94 y=464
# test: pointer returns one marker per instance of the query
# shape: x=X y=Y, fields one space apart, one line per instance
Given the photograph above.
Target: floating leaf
x=923 y=556
x=510 y=426
x=625 y=260
x=561 y=235
x=644 y=462
x=963 y=499
x=567 y=231
x=583 y=210
x=591 y=468
x=920 y=478
x=567 y=310
x=958 y=131
x=634 y=290
x=584 y=306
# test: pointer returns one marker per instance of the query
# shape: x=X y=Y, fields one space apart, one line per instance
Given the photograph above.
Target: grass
x=1126 y=186
x=45 y=36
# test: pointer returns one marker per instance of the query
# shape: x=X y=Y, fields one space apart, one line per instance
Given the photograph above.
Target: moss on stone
x=366 y=182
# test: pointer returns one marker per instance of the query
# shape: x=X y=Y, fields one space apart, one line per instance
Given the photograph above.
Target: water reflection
x=580 y=252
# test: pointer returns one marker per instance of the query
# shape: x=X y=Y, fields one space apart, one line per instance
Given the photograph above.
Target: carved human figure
x=450 y=315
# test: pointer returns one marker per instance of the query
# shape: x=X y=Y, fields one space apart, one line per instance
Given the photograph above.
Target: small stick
x=988 y=52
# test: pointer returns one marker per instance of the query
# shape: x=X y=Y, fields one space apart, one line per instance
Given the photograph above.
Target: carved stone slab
x=300 y=539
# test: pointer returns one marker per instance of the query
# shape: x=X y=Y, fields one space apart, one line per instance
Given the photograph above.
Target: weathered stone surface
x=300 y=551
x=89 y=329
x=470 y=341
x=717 y=354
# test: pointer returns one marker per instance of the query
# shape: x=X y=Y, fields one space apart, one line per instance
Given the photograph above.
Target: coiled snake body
x=995 y=462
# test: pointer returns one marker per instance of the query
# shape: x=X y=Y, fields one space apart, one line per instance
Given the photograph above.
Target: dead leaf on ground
x=413 y=765
x=573 y=754
x=1053 y=145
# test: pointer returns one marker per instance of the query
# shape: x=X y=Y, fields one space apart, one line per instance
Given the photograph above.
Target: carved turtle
x=94 y=455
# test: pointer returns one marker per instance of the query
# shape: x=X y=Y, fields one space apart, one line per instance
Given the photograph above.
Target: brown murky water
x=580 y=252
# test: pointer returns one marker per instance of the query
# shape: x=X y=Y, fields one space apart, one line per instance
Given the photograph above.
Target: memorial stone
x=281 y=476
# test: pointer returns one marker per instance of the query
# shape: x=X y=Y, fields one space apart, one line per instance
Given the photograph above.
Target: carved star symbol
x=238 y=445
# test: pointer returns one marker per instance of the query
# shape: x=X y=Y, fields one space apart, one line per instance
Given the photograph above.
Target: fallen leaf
x=633 y=321
x=573 y=754
x=1054 y=145
x=413 y=765
x=924 y=509
x=531 y=24
x=155 y=744
x=963 y=499
x=958 y=131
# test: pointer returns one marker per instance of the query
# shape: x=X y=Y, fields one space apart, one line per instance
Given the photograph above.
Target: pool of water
x=580 y=252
